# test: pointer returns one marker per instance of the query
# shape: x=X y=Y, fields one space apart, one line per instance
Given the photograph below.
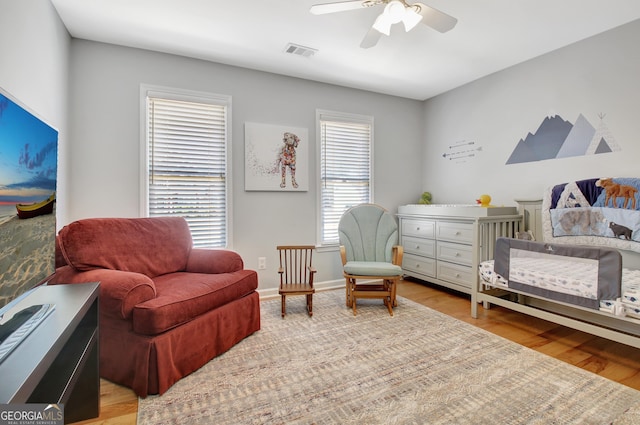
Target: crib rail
x=490 y=229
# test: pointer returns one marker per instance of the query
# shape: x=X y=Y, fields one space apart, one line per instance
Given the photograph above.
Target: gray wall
x=597 y=75
x=105 y=143
x=34 y=47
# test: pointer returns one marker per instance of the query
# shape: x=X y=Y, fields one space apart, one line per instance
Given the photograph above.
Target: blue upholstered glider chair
x=370 y=253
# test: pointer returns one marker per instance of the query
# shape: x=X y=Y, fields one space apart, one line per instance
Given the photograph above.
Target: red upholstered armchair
x=166 y=308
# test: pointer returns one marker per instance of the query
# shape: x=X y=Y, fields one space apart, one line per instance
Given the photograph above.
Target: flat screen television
x=28 y=177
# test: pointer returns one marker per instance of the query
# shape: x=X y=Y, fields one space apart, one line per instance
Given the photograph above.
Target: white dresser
x=444 y=244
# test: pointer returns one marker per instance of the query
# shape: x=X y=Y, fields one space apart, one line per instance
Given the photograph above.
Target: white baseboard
x=269 y=293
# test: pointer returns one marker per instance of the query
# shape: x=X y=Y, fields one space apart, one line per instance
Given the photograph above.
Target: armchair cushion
x=151 y=246
x=372 y=268
x=184 y=296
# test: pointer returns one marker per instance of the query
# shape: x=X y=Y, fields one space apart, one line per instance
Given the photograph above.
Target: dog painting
x=287 y=158
x=276 y=158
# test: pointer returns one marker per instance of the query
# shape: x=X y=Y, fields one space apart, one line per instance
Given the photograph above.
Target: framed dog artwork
x=276 y=158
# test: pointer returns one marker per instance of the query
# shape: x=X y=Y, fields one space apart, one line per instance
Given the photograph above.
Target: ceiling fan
x=394 y=12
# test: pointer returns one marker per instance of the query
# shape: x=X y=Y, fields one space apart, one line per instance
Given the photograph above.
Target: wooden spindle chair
x=296 y=273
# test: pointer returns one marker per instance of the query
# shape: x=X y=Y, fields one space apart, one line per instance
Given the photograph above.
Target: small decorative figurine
x=425 y=198
x=484 y=200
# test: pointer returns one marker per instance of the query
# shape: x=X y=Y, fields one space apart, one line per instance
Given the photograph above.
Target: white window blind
x=345 y=166
x=187 y=165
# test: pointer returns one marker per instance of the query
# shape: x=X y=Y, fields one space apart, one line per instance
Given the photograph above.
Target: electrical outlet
x=262 y=263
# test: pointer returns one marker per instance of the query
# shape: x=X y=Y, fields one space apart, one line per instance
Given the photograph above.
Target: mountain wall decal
x=578 y=140
x=558 y=138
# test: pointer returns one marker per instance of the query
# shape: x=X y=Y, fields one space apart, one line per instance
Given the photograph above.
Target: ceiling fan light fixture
x=411 y=19
x=383 y=24
x=395 y=10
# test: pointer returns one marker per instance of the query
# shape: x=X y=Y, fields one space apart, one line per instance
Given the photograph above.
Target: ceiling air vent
x=296 y=49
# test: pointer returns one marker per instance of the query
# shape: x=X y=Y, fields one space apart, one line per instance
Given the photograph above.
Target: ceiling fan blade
x=437 y=20
x=371 y=39
x=341 y=6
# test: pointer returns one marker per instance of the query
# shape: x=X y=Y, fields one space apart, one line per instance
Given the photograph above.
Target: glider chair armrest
x=120 y=291
x=343 y=254
x=214 y=261
x=396 y=255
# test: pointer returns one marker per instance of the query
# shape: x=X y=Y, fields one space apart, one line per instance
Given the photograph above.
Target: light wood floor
x=119 y=405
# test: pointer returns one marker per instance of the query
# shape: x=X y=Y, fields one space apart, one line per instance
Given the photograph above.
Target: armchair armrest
x=214 y=261
x=120 y=291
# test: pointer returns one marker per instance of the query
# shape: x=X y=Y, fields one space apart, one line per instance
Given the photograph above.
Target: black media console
x=57 y=362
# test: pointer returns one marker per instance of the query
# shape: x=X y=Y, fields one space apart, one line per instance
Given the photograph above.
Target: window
x=346 y=158
x=186 y=161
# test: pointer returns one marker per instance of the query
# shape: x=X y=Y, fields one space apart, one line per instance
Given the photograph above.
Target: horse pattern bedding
x=597 y=211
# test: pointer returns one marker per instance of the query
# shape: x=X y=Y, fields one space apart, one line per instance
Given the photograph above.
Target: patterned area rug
x=417 y=367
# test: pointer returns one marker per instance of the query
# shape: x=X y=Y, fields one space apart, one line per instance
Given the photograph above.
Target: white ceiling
x=490 y=35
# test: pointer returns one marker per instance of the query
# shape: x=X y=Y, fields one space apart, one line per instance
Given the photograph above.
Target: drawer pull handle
x=457 y=274
x=457 y=233
x=457 y=254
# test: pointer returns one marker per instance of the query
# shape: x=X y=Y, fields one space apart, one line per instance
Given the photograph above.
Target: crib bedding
x=597 y=211
x=576 y=275
x=572 y=278
x=628 y=304
x=630 y=300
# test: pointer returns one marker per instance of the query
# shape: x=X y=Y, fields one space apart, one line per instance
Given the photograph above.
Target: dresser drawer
x=420 y=265
x=455 y=273
x=455 y=253
x=420 y=228
x=455 y=232
x=413 y=245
